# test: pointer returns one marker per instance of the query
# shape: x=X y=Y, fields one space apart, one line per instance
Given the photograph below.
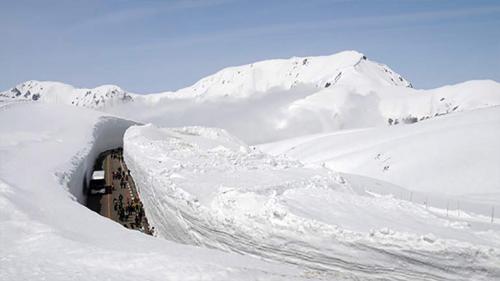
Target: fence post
x=447 y=207
x=492 y=213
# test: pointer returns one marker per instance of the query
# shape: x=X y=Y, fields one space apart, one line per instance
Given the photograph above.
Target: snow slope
x=203 y=186
x=46 y=234
x=455 y=156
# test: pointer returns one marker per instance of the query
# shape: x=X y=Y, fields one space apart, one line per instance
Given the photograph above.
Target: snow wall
x=108 y=134
x=200 y=186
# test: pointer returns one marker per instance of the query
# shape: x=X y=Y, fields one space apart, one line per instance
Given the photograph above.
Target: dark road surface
x=122 y=186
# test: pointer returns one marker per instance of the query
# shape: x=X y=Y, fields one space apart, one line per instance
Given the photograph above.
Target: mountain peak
x=313 y=71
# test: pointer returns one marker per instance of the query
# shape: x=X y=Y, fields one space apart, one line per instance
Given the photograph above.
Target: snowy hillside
x=456 y=154
x=59 y=93
x=46 y=234
x=204 y=187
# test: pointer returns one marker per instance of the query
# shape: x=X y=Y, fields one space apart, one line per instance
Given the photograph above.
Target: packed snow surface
x=203 y=186
x=46 y=152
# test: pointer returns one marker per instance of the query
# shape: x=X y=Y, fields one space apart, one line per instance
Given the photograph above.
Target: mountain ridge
x=58 y=92
x=290 y=73
x=276 y=99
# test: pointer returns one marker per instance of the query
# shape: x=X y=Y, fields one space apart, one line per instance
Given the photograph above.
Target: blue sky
x=151 y=46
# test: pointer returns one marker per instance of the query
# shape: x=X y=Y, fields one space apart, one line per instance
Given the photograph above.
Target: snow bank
x=107 y=134
x=45 y=234
x=201 y=186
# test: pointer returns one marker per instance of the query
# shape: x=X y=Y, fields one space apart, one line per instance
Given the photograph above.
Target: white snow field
x=202 y=186
x=46 y=234
x=453 y=159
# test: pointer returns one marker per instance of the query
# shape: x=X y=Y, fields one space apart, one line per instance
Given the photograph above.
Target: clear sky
x=152 y=45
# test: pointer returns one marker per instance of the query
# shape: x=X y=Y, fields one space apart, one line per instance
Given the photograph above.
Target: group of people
x=122 y=176
x=130 y=208
x=127 y=208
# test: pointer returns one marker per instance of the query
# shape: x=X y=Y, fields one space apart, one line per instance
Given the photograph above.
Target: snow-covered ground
x=46 y=234
x=204 y=187
x=452 y=160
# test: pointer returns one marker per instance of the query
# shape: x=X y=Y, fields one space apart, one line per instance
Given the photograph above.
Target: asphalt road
x=105 y=204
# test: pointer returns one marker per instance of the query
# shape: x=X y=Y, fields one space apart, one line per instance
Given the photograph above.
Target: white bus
x=98 y=183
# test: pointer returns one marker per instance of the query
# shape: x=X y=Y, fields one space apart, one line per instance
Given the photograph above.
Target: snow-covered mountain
x=278 y=99
x=345 y=68
x=59 y=93
x=245 y=81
